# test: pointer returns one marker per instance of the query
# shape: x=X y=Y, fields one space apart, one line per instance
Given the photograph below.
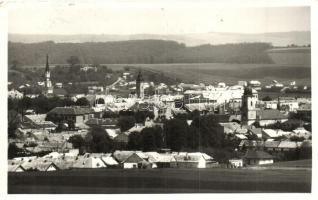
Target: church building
x=140 y=86
x=250 y=113
x=48 y=84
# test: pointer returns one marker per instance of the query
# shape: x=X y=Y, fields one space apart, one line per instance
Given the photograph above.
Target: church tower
x=140 y=86
x=248 y=109
x=48 y=83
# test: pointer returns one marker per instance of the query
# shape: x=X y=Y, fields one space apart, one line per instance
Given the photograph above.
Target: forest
x=136 y=52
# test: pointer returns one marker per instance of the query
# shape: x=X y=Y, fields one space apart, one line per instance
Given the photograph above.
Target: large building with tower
x=140 y=86
x=250 y=113
x=48 y=83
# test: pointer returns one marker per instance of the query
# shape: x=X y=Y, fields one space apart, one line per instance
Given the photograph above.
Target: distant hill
x=137 y=52
x=276 y=39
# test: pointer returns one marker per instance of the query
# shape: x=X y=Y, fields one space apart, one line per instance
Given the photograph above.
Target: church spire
x=47 y=63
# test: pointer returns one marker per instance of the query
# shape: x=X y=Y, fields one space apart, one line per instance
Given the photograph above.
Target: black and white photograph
x=128 y=97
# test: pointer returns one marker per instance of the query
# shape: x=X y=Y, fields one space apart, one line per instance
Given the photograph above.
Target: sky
x=155 y=19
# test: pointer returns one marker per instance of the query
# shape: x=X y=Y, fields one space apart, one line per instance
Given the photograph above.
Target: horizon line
x=65 y=34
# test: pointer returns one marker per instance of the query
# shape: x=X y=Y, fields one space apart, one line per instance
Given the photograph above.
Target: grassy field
x=160 y=181
x=211 y=73
x=295 y=163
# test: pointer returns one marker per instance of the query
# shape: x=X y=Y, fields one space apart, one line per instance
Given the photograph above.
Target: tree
x=71 y=124
x=100 y=101
x=296 y=139
x=73 y=60
x=134 y=141
x=12 y=150
x=14 y=119
x=148 y=139
x=175 y=131
x=152 y=138
x=267 y=98
x=77 y=141
x=126 y=122
x=82 y=102
x=98 y=141
x=75 y=68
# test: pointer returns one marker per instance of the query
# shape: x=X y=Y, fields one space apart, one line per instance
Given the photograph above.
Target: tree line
x=137 y=52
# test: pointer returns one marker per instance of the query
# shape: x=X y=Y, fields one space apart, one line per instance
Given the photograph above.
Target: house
x=166 y=160
x=236 y=162
x=15 y=94
x=134 y=161
x=109 y=123
x=274 y=133
x=271 y=146
x=120 y=156
x=194 y=160
x=88 y=162
x=112 y=133
x=233 y=128
x=267 y=117
x=253 y=157
x=301 y=132
x=289 y=145
x=79 y=115
x=109 y=160
x=46 y=166
x=15 y=168
x=256 y=132
x=38 y=122
x=251 y=144
x=137 y=128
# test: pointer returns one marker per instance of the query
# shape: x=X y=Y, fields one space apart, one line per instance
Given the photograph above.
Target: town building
x=140 y=86
x=48 y=83
x=258 y=158
x=76 y=114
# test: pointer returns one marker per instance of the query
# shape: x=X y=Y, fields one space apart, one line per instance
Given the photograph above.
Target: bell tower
x=139 y=86
x=48 y=83
x=248 y=109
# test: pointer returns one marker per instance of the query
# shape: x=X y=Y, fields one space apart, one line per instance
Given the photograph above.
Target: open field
x=211 y=73
x=161 y=181
x=295 y=163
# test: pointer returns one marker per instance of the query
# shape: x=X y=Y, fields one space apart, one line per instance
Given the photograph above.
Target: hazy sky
x=156 y=19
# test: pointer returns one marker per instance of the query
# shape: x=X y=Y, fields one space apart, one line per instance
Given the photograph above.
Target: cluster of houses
x=118 y=159
x=237 y=109
x=266 y=134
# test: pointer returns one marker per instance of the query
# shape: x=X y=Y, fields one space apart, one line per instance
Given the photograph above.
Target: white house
x=15 y=94
x=194 y=160
x=236 y=162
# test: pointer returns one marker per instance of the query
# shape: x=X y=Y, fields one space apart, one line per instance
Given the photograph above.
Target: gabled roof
x=271 y=144
x=44 y=166
x=257 y=155
x=108 y=121
x=134 y=158
x=252 y=143
x=90 y=162
x=270 y=115
x=120 y=156
x=192 y=157
x=112 y=133
x=14 y=167
x=288 y=145
x=109 y=160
